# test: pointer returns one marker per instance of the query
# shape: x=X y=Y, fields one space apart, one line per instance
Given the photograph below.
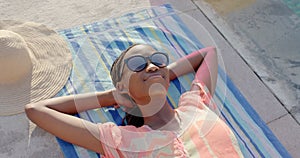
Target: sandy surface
x=64 y=14
x=226 y=7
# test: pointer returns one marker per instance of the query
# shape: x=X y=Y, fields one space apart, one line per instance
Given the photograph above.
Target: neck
x=161 y=117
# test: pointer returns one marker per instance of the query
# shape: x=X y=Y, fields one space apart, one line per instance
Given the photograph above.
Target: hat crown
x=15 y=62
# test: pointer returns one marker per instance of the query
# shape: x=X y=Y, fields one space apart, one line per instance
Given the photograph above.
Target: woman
x=141 y=77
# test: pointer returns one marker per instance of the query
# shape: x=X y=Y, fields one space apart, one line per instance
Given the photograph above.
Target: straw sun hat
x=35 y=64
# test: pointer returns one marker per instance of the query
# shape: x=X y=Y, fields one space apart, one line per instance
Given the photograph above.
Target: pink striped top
x=201 y=133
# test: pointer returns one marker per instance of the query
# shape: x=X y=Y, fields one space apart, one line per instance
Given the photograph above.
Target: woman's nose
x=151 y=67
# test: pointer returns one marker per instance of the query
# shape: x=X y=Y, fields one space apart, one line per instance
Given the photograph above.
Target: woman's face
x=147 y=84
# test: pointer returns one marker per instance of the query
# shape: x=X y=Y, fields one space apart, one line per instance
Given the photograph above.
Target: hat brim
x=52 y=64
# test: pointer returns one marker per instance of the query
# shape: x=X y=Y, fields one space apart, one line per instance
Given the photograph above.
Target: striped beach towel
x=95 y=46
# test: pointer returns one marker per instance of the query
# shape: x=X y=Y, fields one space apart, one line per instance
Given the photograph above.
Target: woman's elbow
x=29 y=110
x=32 y=109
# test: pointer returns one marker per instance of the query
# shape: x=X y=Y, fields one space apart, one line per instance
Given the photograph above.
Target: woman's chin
x=157 y=90
x=153 y=106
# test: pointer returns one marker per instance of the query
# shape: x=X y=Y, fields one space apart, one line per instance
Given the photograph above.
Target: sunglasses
x=138 y=63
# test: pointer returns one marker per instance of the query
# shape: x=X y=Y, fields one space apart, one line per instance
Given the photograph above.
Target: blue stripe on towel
x=259 y=122
x=68 y=149
x=247 y=150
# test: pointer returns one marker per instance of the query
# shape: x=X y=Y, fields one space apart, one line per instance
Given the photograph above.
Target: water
x=294 y=5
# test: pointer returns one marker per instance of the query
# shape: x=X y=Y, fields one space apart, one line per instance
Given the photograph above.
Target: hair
x=116 y=77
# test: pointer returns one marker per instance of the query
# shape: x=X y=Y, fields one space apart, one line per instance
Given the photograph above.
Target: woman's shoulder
x=134 y=139
x=128 y=130
x=199 y=96
x=114 y=127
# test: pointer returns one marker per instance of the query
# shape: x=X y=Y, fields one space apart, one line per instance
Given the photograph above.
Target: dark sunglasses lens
x=136 y=63
x=160 y=59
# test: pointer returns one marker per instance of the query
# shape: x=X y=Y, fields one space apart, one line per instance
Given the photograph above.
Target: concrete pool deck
x=233 y=30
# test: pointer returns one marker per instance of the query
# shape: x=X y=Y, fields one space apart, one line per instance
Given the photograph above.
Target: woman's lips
x=154 y=76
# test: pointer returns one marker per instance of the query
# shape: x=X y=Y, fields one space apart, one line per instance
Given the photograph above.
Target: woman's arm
x=73 y=104
x=203 y=62
x=208 y=71
x=53 y=115
x=67 y=127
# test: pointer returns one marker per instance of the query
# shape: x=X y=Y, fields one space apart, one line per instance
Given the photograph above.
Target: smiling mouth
x=156 y=76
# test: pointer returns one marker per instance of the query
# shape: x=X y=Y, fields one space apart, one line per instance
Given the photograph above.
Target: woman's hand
x=203 y=62
x=122 y=99
x=187 y=64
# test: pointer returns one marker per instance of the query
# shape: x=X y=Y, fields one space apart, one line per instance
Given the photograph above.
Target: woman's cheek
x=136 y=86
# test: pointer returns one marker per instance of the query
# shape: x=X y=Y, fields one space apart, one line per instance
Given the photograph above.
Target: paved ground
x=257 y=41
x=270 y=33
x=266 y=35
